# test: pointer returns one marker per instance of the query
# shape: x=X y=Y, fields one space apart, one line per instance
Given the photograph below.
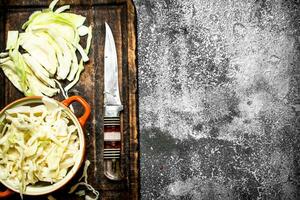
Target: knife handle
x=112 y=132
x=112 y=149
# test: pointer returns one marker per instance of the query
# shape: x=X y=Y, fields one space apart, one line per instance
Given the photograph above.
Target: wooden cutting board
x=121 y=16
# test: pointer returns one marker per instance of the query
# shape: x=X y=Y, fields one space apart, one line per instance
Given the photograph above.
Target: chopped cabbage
x=85 y=183
x=89 y=40
x=84 y=56
x=62 y=9
x=80 y=193
x=36 y=87
x=74 y=66
x=40 y=72
x=40 y=49
x=3 y=54
x=83 y=30
x=50 y=197
x=19 y=67
x=8 y=69
x=89 y=187
x=77 y=20
x=80 y=66
x=63 y=70
x=51 y=41
x=12 y=38
x=76 y=78
x=37 y=143
x=52 y=4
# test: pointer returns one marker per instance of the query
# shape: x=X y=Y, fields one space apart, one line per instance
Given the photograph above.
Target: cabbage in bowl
x=38 y=144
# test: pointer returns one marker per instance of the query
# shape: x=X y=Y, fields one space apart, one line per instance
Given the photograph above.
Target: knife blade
x=112 y=101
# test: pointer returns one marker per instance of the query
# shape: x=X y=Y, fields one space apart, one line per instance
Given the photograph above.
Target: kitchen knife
x=112 y=109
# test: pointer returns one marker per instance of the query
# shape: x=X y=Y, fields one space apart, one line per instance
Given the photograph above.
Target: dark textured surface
x=219 y=95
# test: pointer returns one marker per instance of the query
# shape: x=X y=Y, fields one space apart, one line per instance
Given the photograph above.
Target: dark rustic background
x=219 y=86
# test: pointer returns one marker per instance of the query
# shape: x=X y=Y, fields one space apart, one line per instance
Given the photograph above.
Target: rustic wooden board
x=120 y=15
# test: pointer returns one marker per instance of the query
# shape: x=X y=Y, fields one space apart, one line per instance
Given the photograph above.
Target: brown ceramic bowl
x=41 y=189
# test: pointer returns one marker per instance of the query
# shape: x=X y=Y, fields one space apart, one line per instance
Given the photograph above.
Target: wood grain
x=121 y=17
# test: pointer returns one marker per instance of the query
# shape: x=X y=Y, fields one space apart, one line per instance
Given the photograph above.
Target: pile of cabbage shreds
x=46 y=52
x=38 y=143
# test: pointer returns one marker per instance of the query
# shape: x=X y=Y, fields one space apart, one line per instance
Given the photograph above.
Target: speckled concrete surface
x=219 y=95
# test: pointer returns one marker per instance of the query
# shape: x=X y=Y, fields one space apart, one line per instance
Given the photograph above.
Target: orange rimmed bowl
x=79 y=122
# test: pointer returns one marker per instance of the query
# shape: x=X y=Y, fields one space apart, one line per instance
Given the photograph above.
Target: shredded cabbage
x=12 y=38
x=62 y=9
x=80 y=66
x=52 y=4
x=10 y=73
x=40 y=72
x=41 y=50
x=3 y=54
x=51 y=41
x=85 y=183
x=37 y=143
x=50 y=197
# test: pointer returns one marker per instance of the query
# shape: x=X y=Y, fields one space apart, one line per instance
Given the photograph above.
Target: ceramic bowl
x=39 y=188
